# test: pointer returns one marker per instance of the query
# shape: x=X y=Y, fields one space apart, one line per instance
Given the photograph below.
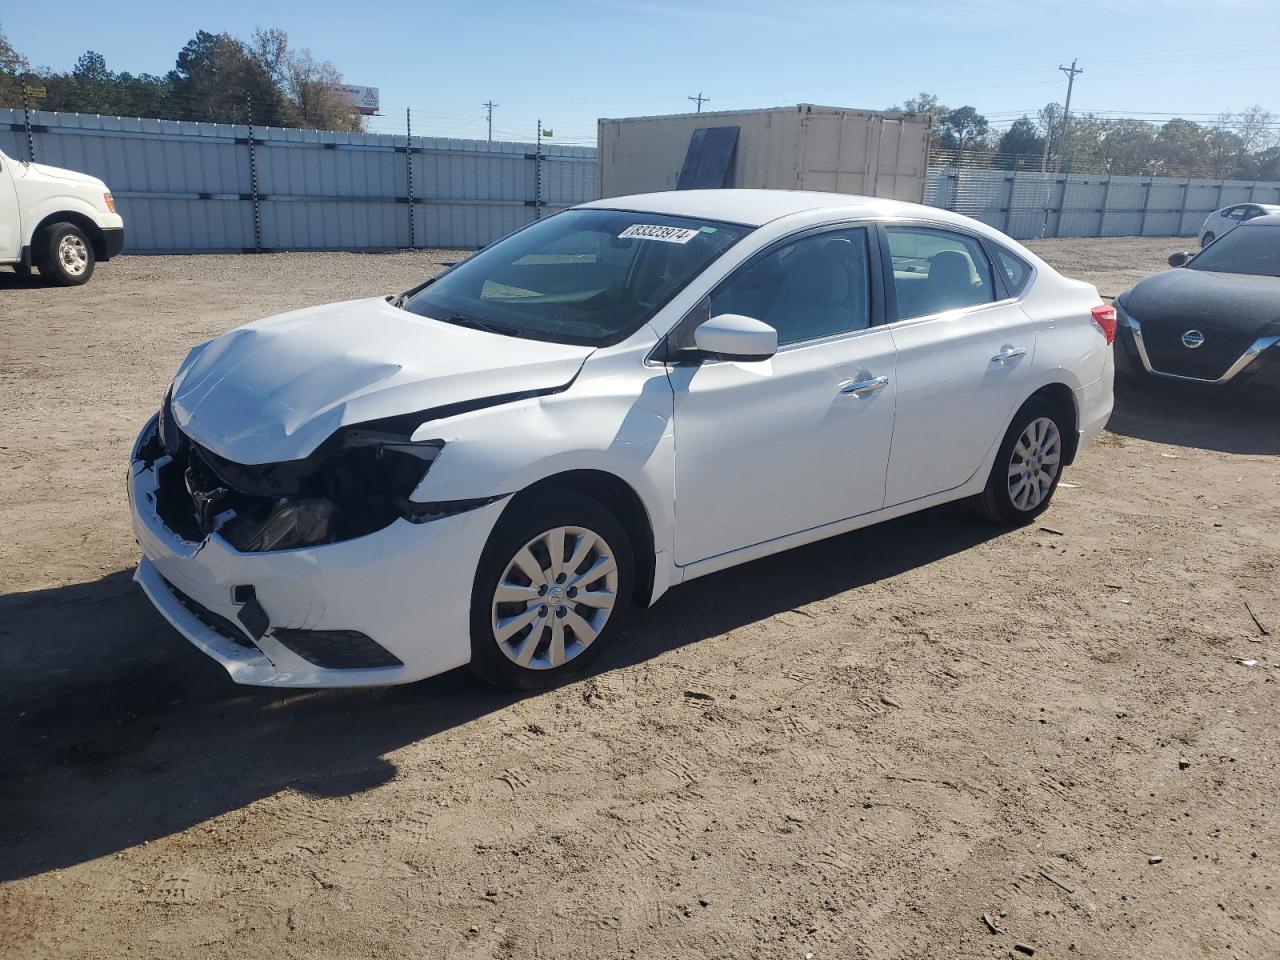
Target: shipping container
x=805 y=147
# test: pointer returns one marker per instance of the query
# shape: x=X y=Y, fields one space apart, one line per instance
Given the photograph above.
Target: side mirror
x=731 y=336
x=1179 y=259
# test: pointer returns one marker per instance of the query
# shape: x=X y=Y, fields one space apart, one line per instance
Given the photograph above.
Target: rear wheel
x=1027 y=466
x=65 y=255
x=551 y=590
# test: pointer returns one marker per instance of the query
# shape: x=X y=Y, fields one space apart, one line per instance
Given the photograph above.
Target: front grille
x=215 y=622
x=1210 y=361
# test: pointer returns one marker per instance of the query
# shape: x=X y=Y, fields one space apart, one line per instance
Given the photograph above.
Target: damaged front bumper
x=389 y=607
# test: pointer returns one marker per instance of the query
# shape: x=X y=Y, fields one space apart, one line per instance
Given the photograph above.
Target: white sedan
x=493 y=466
x=1221 y=222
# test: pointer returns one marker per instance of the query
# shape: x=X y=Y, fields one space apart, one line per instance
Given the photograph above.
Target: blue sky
x=572 y=61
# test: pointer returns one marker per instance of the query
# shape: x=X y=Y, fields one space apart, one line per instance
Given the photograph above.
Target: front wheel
x=65 y=255
x=1207 y=239
x=1027 y=467
x=551 y=590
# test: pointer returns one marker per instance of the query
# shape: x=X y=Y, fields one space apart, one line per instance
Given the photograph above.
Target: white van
x=59 y=221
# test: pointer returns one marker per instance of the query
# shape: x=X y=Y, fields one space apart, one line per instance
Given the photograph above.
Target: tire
x=1207 y=239
x=64 y=255
x=514 y=641
x=1006 y=500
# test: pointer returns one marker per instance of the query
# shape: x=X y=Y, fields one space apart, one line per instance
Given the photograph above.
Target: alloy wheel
x=1034 y=464
x=554 y=597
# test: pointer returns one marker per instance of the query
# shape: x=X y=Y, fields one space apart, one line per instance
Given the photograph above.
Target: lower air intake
x=337 y=649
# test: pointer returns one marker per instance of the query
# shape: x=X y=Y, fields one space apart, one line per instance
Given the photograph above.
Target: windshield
x=1253 y=249
x=588 y=277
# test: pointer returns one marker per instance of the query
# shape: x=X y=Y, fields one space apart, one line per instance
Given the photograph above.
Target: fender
x=51 y=207
x=606 y=421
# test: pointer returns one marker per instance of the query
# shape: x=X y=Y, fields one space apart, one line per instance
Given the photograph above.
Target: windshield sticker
x=655 y=231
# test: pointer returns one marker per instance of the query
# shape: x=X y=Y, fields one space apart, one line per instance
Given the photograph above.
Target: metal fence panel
x=191 y=186
x=1028 y=204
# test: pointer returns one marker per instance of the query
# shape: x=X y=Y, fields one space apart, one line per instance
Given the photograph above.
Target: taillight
x=1104 y=316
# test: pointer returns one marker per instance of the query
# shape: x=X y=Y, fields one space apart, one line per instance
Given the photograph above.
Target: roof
x=757 y=207
x=1266 y=220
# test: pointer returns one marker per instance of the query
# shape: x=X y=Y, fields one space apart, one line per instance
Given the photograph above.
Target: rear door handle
x=1009 y=353
x=856 y=388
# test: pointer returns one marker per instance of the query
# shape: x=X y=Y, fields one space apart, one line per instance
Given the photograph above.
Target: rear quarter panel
x=1070 y=348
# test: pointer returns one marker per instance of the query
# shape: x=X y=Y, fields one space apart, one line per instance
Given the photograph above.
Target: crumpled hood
x=276 y=389
x=1223 y=301
x=59 y=173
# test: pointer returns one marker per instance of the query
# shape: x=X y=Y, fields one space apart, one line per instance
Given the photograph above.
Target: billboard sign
x=364 y=99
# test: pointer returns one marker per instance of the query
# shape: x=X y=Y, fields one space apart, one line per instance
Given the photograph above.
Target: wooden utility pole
x=488 y=106
x=1071 y=72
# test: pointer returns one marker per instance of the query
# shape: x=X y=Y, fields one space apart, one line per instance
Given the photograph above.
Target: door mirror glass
x=1179 y=259
x=731 y=336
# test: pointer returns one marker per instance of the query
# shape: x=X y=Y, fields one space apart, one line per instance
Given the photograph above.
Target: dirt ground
x=857 y=749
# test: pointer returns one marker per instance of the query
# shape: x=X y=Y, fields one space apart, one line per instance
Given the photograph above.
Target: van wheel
x=1027 y=467
x=64 y=255
x=553 y=585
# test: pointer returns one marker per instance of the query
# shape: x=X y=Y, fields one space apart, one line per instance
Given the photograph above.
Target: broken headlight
x=361 y=486
x=356 y=482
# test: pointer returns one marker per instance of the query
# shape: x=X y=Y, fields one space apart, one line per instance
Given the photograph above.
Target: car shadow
x=1231 y=421
x=10 y=280
x=116 y=731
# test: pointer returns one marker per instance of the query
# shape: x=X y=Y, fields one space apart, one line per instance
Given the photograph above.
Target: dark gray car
x=1215 y=319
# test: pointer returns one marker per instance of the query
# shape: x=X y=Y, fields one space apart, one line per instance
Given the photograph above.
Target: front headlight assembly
x=355 y=483
x=361 y=486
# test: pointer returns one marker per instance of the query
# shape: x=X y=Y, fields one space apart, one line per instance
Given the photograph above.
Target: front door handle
x=1009 y=353
x=856 y=388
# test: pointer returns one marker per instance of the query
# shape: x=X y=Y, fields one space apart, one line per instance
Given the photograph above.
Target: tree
x=1181 y=147
x=216 y=79
x=13 y=68
x=1267 y=164
x=1021 y=140
x=964 y=127
x=315 y=89
x=926 y=103
x=1128 y=146
x=1224 y=149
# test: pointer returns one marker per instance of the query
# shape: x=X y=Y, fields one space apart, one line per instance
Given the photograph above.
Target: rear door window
x=937 y=270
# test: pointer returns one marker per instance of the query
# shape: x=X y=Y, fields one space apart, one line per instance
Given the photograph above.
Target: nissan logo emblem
x=1193 y=339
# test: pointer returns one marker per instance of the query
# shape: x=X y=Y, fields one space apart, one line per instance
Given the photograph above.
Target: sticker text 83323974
x=656 y=231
